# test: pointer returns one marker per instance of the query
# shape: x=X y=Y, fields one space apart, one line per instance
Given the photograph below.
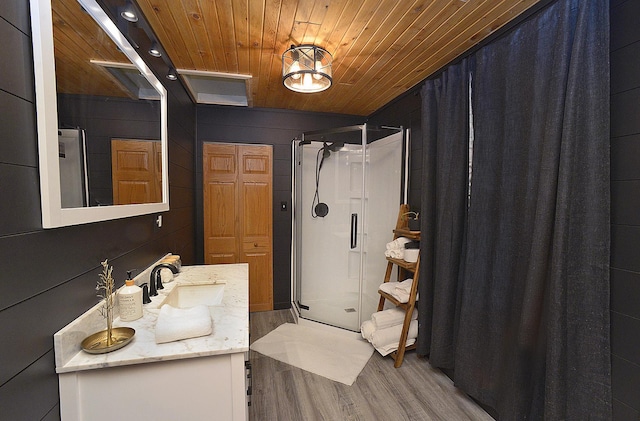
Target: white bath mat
x=334 y=356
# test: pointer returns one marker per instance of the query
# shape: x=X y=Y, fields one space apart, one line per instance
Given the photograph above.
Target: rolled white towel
x=395 y=253
x=398 y=243
x=388 y=349
x=367 y=329
x=175 y=324
x=391 y=335
x=391 y=317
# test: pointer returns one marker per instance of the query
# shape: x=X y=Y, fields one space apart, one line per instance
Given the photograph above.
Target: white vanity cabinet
x=203 y=388
x=203 y=378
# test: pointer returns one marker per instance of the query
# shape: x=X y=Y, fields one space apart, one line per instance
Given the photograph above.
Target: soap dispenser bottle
x=130 y=300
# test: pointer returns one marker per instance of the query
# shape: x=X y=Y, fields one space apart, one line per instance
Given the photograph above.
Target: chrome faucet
x=155 y=280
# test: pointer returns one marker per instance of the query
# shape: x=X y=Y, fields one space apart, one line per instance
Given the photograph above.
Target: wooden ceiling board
x=77 y=40
x=383 y=66
x=381 y=48
x=447 y=48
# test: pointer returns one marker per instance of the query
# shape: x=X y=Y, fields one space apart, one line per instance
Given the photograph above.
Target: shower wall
x=339 y=258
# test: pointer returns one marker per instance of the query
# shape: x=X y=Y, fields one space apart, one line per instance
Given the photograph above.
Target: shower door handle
x=354 y=230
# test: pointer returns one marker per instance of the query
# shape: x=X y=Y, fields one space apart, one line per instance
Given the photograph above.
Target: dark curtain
x=527 y=329
x=533 y=339
x=444 y=184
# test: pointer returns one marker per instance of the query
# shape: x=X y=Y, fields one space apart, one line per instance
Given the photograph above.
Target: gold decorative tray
x=97 y=343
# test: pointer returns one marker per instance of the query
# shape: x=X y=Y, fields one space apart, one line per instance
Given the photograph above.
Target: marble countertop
x=230 y=325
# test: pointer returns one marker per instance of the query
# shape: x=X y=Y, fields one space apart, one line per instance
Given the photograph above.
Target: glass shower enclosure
x=348 y=184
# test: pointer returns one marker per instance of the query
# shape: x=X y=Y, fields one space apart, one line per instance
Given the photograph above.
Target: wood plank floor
x=415 y=391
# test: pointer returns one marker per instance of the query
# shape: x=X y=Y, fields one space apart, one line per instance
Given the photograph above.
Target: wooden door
x=221 y=242
x=238 y=214
x=134 y=171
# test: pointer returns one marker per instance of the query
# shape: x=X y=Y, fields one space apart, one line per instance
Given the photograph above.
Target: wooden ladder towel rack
x=404 y=268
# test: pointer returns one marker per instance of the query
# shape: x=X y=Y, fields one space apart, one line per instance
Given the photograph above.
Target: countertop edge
x=230 y=335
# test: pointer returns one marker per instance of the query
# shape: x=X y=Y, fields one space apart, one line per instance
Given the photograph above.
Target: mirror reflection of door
x=136 y=171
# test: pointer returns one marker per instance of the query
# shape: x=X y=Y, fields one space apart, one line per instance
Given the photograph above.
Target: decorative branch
x=105 y=288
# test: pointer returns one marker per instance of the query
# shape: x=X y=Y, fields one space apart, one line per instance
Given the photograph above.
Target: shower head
x=336 y=146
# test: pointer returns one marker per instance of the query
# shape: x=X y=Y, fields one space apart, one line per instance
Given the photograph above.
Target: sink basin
x=185 y=296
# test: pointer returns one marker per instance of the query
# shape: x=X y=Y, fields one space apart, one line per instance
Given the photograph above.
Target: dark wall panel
x=624 y=24
x=625 y=201
x=17 y=14
x=17 y=72
x=19 y=138
x=269 y=127
x=49 y=276
x=624 y=153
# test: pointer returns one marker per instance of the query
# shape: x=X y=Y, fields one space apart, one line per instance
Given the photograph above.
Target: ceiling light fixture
x=129 y=13
x=154 y=50
x=171 y=74
x=306 y=69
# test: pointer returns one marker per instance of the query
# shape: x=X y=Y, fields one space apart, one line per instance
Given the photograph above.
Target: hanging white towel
x=391 y=317
x=175 y=324
x=391 y=335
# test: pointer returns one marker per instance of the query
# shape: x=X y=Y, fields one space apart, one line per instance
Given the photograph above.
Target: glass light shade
x=306 y=69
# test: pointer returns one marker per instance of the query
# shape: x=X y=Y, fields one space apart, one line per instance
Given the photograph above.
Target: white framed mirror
x=97 y=50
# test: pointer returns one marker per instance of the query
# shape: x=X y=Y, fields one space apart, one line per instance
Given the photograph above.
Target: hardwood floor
x=415 y=391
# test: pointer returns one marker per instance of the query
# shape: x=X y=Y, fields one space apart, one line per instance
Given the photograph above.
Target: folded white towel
x=398 y=290
x=367 y=329
x=391 y=317
x=391 y=335
x=405 y=286
x=388 y=349
x=398 y=293
x=181 y=323
x=388 y=287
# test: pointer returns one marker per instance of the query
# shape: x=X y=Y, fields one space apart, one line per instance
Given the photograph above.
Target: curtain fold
x=515 y=296
x=533 y=340
x=445 y=181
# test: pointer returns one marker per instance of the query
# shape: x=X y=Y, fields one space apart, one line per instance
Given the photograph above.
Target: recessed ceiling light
x=129 y=13
x=154 y=50
x=171 y=74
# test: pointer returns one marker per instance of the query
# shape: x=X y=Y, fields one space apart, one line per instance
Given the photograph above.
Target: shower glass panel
x=347 y=190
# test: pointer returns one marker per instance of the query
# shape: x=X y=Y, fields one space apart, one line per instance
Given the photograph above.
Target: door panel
x=256 y=226
x=220 y=223
x=238 y=214
x=134 y=172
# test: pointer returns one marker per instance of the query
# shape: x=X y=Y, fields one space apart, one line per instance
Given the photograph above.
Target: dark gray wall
x=625 y=208
x=268 y=127
x=48 y=276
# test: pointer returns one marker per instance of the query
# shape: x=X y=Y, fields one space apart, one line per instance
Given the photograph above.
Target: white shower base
x=327 y=308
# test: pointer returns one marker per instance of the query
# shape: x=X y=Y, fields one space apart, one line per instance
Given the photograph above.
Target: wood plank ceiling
x=380 y=48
